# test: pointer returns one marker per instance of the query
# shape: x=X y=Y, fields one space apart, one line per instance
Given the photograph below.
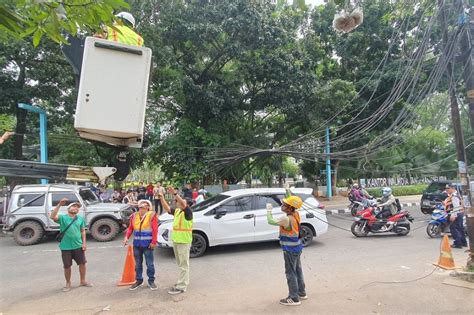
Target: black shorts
x=78 y=255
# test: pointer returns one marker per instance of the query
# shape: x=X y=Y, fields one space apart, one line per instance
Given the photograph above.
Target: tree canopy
x=234 y=76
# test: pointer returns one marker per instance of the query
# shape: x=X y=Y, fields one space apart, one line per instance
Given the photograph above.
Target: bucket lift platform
x=112 y=93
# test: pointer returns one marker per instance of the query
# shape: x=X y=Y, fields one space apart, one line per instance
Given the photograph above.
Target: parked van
x=27 y=214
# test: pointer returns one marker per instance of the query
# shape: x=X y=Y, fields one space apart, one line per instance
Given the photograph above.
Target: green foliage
x=7 y=122
x=399 y=190
x=35 y=19
x=230 y=72
x=290 y=168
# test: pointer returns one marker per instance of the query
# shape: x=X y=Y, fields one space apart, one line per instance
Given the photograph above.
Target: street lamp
x=43 y=132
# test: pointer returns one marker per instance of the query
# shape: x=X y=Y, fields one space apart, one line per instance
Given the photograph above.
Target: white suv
x=240 y=216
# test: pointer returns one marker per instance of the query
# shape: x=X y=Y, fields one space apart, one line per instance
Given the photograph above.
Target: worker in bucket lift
x=292 y=247
x=123 y=31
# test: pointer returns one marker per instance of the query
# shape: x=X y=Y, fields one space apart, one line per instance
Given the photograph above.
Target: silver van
x=27 y=214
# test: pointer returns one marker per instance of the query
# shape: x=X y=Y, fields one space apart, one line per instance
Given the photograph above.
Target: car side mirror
x=220 y=213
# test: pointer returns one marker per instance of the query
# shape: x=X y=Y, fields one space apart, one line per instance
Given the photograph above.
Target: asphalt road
x=343 y=274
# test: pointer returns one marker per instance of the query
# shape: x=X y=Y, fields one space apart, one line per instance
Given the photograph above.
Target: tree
x=227 y=72
x=35 y=19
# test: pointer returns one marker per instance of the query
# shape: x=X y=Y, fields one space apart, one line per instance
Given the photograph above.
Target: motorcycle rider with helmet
x=388 y=204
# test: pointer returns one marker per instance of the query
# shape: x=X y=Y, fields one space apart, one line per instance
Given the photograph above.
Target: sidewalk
x=339 y=204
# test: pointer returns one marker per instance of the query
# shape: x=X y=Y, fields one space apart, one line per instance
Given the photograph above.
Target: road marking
x=58 y=250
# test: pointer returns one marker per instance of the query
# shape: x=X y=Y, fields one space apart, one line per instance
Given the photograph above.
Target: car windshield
x=209 y=202
x=436 y=188
x=88 y=196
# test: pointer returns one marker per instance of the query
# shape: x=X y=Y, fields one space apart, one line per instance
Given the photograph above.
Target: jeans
x=457 y=231
x=294 y=275
x=138 y=253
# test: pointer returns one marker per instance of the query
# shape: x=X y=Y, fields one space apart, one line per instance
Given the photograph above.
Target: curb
x=346 y=210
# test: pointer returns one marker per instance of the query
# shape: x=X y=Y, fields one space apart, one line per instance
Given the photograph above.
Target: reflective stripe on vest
x=182 y=228
x=289 y=240
x=124 y=35
x=142 y=231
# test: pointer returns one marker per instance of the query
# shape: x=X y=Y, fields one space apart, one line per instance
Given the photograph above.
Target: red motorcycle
x=367 y=221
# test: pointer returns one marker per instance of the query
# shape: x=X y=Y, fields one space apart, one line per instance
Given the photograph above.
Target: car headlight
x=126 y=213
x=11 y=220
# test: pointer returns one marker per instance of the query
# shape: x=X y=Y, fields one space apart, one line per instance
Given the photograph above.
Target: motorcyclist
x=365 y=195
x=387 y=203
x=355 y=194
x=364 y=192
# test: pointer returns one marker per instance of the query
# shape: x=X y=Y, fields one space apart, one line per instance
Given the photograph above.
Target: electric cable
x=398 y=282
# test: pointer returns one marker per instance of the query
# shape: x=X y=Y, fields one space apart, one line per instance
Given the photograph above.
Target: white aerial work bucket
x=113 y=92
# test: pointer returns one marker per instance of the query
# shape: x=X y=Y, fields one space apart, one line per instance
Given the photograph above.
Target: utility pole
x=467 y=47
x=467 y=58
x=458 y=135
x=328 y=167
x=43 y=132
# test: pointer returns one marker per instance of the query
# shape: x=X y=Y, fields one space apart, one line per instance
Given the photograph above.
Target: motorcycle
x=439 y=223
x=357 y=206
x=367 y=221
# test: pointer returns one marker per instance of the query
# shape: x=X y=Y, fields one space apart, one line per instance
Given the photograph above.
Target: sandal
x=67 y=289
x=87 y=285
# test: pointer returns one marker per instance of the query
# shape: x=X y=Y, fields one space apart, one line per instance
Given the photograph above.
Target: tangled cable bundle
x=408 y=87
x=346 y=22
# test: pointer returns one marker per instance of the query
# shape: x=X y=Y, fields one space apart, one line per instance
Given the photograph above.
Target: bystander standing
x=72 y=241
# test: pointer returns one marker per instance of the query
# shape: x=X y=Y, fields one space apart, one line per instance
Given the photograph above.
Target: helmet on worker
x=145 y=203
x=127 y=18
x=293 y=201
x=386 y=191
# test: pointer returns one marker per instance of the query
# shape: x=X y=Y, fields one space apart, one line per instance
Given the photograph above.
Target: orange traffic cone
x=128 y=275
x=446 y=260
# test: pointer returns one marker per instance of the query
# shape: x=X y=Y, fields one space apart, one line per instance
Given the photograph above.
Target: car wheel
x=104 y=230
x=28 y=233
x=198 y=246
x=306 y=235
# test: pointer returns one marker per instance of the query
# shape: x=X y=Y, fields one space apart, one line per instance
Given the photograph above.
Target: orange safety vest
x=289 y=240
x=142 y=230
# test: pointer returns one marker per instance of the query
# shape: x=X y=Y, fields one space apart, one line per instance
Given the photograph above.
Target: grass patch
x=400 y=190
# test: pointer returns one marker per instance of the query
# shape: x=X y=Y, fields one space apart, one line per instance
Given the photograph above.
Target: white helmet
x=127 y=17
x=386 y=191
x=144 y=201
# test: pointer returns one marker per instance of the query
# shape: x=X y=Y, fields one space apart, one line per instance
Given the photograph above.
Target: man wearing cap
x=292 y=247
x=452 y=205
x=144 y=226
x=73 y=242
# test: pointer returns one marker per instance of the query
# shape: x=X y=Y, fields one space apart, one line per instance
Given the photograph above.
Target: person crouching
x=144 y=226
